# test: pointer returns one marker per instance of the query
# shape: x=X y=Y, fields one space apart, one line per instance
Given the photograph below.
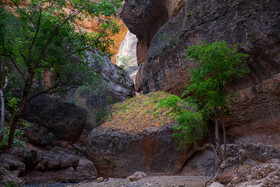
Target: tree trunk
x=209 y=145
x=2 y=112
x=26 y=91
x=217 y=135
x=225 y=143
x=2 y=101
x=194 y=141
x=217 y=140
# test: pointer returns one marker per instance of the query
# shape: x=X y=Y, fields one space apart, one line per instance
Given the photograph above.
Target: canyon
x=148 y=65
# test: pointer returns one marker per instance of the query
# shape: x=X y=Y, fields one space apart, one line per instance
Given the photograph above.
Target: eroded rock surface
x=144 y=18
x=119 y=154
x=254 y=24
x=201 y=164
x=66 y=121
x=137 y=137
x=250 y=164
x=120 y=85
x=39 y=166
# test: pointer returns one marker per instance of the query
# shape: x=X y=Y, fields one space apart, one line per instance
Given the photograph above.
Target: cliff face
x=144 y=18
x=254 y=24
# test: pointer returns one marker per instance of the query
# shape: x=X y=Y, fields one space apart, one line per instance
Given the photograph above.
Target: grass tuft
x=136 y=114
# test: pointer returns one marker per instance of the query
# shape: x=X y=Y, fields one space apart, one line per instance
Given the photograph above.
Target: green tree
x=205 y=97
x=218 y=65
x=47 y=36
x=191 y=124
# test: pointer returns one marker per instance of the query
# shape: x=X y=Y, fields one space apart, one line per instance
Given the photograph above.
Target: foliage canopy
x=204 y=97
x=45 y=36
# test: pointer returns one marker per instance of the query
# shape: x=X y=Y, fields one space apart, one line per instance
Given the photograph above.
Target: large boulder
x=119 y=154
x=134 y=139
x=254 y=24
x=66 y=121
x=39 y=135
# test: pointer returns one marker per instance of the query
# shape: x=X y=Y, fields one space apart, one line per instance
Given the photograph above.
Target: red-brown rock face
x=256 y=24
x=118 y=154
x=144 y=18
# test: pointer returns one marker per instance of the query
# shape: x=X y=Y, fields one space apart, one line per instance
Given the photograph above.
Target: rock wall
x=144 y=18
x=254 y=24
x=118 y=81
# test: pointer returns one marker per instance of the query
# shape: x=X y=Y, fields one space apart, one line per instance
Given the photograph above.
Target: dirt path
x=151 y=181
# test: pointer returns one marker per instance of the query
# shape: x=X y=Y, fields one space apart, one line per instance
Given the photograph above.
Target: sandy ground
x=151 y=181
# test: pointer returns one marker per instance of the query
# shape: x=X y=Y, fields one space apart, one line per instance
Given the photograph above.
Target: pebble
x=100 y=179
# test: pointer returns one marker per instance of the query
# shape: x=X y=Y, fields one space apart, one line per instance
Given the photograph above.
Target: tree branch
x=33 y=41
x=24 y=13
x=84 y=48
x=13 y=62
x=6 y=82
x=53 y=35
x=74 y=52
x=18 y=69
x=57 y=85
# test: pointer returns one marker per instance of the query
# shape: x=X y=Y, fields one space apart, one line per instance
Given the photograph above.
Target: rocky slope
x=250 y=165
x=254 y=24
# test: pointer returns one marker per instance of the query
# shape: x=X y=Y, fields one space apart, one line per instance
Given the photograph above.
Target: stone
x=56 y=161
x=120 y=154
x=201 y=164
x=262 y=174
x=14 y=166
x=164 y=68
x=67 y=171
x=235 y=173
x=250 y=164
x=65 y=120
x=258 y=152
x=9 y=179
x=216 y=184
x=137 y=176
x=100 y=179
x=56 y=165
x=40 y=136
